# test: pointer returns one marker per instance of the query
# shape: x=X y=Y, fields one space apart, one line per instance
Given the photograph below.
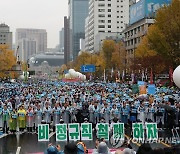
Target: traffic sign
x=88 y=68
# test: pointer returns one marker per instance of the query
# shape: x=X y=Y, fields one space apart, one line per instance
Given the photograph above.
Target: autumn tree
x=164 y=35
x=108 y=48
x=7 y=61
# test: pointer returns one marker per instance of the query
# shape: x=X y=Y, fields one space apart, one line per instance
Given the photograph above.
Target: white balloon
x=71 y=71
x=176 y=76
x=21 y=77
x=67 y=76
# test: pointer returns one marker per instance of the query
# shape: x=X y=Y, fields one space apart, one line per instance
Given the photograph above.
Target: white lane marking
x=18 y=150
x=51 y=134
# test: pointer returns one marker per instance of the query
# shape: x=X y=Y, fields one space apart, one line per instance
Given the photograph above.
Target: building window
x=109 y=21
x=109 y=31
x=101 y=26
x=121 y=21
x=117 y=16
x=121 y=16
x=109 y=15
x=109 y=26
x=101 y=15
x=109 y=10
x=109 y=5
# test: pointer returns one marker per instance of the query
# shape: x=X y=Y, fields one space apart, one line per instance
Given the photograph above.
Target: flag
x=171 y=76
x=119 y=74
x=151 y=77
x=146 y=74
x=123 y=74
x=143 y=75
x=112 y=71
x=104 y=75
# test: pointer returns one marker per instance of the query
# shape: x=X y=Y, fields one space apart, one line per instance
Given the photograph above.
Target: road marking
x=18 y=150
x=131 y=141
x=50 y=135
x=167 y=145
x=3 y=135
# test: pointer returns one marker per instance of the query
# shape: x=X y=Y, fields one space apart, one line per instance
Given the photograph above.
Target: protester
x=13 y=121
x=22 y=118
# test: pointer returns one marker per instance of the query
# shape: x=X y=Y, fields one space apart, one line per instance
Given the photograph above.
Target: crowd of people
x=25 y=105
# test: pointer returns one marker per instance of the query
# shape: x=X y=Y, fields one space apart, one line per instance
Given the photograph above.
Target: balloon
x=176 y=76
x=21 y=77
x=71 y=71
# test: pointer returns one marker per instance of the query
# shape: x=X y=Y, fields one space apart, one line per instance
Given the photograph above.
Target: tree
x=7 y=61
x=147 y=58
x=108 y=49
x=163 y=36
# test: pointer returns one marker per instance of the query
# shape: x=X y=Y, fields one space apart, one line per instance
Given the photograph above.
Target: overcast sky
x=42 y=14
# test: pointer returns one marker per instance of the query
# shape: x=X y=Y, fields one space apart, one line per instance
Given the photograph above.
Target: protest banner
x=43 y=132
x=74 y=131
x=61 y=132
x=151 y=89
x=103 y=130
x=86 y=131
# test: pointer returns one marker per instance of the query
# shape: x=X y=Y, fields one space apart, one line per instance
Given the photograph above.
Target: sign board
x=152 y=131
x=103 y=130
x=88 y=68
x=61 y=132
x=74 y=132
x=43 y=132
x=151 y=89
x=86 y=131
x=142 y=90
x=138 y=131
x=118 y=131
x=135 y=89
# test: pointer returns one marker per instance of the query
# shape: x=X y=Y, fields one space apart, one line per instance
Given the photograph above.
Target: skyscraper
x=78 y=11
x=105 y=16
x=5 y=36
x=30 y=41
x=61 y=40
x=66 y=41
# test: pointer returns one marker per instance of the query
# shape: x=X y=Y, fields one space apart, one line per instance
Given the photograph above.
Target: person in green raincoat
x=22 y=118
x=6 y=115
x=13 y=121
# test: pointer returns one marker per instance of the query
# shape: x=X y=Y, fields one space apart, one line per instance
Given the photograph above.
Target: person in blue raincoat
x=47 y=113
x=115 y=113
x=105 y=113
x=124 y=114
x=56 y=111
x=38 y=116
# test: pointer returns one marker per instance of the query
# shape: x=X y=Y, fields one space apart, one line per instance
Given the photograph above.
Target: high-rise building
x=61 y=40
x=26 y=38
x=105 y=16
x=142 y=16
x=5 y=35
x=66 y=40
x=78 y=12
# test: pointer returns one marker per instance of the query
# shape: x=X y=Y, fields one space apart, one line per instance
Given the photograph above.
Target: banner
x=142 y=90
x=86 y=131
x=118 y=131
x=74 y=132
x=138 y=131
x=61 y=132
x=103 y=130
x=135 y=89
x=151 y=89
x=152 y=131
x=43 y=132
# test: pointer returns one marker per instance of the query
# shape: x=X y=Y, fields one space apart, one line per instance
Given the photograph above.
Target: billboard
x=145 y=8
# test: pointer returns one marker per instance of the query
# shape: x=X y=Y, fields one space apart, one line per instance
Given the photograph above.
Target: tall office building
x=5 y=35
x=66 y=40
x=61 y=40
x=105 y=16
x=30 y=41
x=78 y=12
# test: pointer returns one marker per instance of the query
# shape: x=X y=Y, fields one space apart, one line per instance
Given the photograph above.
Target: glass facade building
x=78 y=12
